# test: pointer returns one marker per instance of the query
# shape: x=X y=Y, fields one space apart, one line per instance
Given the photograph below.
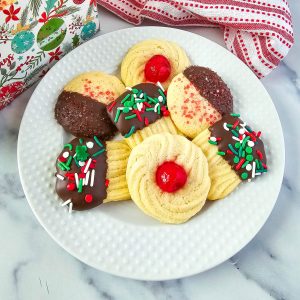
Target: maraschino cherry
x=170 y=177
x=157 y=68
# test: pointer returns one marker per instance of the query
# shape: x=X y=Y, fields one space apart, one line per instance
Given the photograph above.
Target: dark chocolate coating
x=98 y=191
x=123 y=125
x=217 y=130
x=83 y=116
x=210 y=86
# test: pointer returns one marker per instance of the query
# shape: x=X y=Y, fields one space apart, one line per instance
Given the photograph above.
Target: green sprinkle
x=261 y=170
x=248 y=128
x=235 y=115
x=130 y=117
x=76 y=162
x=244 y=175
x=221 y=153
x=162 y=94
x=257 y=163
x=249 y=150
x=232 y=149
x=243 y=154
x=126 y=110
x=234 y=133
x=98 y=142
x=140 y=101
x=81 y=152
x=80 y=185
x=245 y=164
x=158 y=109
x=245 y=141
x=236 y=159
x=212 y=142
x=149 y=109
x=69 y=160
x=68 y=146
x=135 y=91
x=152 y=100
x=240 y=152
x=249 y=157
x=229 y=125
x=237 y=145
x=98 y=153
x=117 y=115
x=80 y=141
x=63 y=166
x=132 y=129
x=126 y=98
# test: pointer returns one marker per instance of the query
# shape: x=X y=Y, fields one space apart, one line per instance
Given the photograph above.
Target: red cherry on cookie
x=71 y=186
x=88 y=198
x=170 y=177
x=157 y=68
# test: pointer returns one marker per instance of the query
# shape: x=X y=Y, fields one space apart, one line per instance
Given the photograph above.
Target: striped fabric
x=260 y=33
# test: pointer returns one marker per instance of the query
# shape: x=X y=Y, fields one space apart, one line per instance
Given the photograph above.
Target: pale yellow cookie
x=133 y=64
x=223 y=179
x=197 y=98
x=117 y=157
x=167 y=178
x=96 y=85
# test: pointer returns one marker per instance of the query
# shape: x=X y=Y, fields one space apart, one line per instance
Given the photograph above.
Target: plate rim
x=115 y=272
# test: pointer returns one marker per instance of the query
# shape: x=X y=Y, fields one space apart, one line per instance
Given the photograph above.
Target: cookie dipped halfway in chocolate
x=197 y=98
x=81 y=173
x=137 y=108
x=81 y=106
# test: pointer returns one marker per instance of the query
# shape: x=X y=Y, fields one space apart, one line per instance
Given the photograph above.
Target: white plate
x=118 y=238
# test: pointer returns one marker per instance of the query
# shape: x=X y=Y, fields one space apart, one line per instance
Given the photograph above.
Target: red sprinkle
x=229 y=151
x=88 y=198
x=62 y=159
x=146 y=121
x=166 y=92
x=166 y=113
x=111 y=106
x=147 y=104
x=138 y=115
x=264 y=165
x=260 y=155
x=235 y=124
x=70 y=176
x=81 y=175
x=253 y=138
x=71 y=186
x=258 y=134
x=238 y=166
x=106 y=182
x=219 y=139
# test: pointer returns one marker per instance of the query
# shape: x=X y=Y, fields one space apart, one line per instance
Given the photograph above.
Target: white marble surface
x=34 y=267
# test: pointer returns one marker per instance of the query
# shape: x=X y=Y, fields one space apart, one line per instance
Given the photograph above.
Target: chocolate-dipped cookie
x=91 y=172
x=141 y=112
x=235 y=153
x=197 y=98
x=81 y=106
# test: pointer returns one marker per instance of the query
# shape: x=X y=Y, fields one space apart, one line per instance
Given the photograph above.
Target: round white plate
x=118 y=238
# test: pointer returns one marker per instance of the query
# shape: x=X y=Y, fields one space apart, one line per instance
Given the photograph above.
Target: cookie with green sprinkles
x=84 y=169
x=235 y=153
x=142 y=106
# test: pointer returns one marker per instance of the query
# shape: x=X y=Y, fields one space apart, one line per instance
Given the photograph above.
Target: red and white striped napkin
x=260 y=33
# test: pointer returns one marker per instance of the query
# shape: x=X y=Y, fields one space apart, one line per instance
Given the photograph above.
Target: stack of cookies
x=181 y=142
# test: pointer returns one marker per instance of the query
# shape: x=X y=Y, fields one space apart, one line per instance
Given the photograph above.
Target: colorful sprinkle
x=132 y=129
x=98 y=142
x=98 y=153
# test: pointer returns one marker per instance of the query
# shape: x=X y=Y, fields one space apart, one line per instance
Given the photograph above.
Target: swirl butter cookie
x=90 y=172
x=153 y=61
x=235 y=153
x=197 y=98
x=141 y=112
x=81 y=106
x=168 y=178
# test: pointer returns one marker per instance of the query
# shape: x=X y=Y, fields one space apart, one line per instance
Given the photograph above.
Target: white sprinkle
x=243 y=125
x=156 y=106
x=92 y=178
x=134 y=95
x=160 y=86
x=249 y=180
x=60 y=177
x=75 y=155
x=160 y=98
x=66 y=203
x=250 y=143
x=87 y=165
x=81 y=163
x=249 y=167
x=76 y=180
x=242 y=131
x=87 y=176
x=225 y=126
x=70 y=208
x=128 y=88
x=253 y=169
x=141 y=95
x=90 y=144
x=139 y=106
x=213 y=139
x=66 y=154
x=235 y=138
x=257 y=174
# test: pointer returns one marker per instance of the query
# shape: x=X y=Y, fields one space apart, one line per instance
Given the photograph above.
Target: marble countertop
x=34 y=267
